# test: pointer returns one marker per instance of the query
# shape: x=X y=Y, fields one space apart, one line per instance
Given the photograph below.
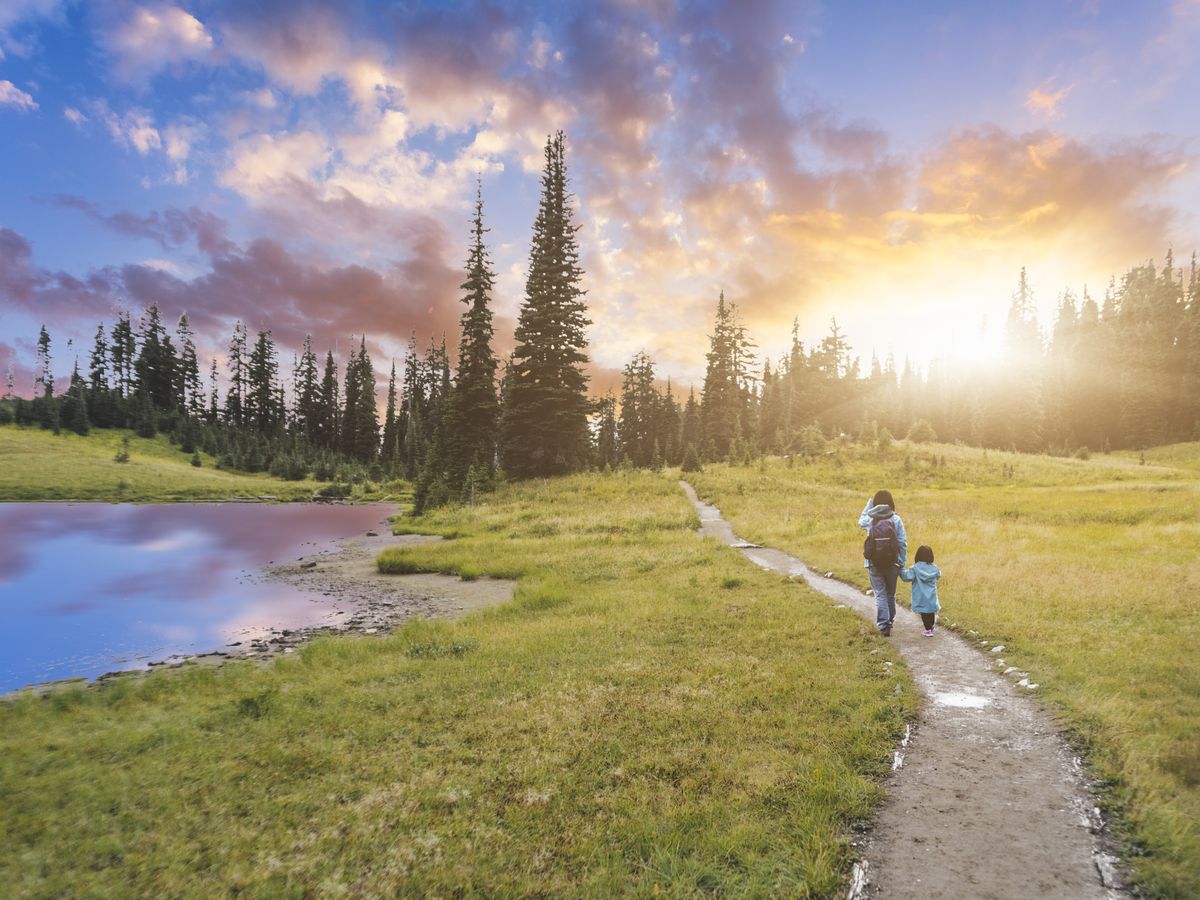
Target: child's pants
x=928 y=619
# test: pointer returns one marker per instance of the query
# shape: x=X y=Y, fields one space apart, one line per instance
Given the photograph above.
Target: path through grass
x=1086 y=571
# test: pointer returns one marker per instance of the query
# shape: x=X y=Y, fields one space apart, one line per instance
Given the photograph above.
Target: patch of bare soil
x=370 y=602
x=985 y=799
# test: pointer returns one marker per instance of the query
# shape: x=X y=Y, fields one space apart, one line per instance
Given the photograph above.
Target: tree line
x=1122 y=372
x=1119 y=373
x=450 y=432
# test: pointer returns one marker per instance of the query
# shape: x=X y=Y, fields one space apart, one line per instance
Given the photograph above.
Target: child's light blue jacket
x=924 y=577
x=870 y=511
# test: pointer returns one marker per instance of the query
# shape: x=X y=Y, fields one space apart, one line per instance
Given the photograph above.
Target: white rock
x=1024 y=682
x=1009 y=669
x=999 y=648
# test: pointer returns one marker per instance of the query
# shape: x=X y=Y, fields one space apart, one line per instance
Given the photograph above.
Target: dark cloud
x=170 y=228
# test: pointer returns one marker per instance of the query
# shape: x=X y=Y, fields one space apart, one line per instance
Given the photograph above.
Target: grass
x=1086 y=571
x=39 y=465
x=650 y=714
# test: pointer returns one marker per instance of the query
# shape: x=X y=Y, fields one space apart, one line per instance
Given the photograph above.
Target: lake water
x=91 y=588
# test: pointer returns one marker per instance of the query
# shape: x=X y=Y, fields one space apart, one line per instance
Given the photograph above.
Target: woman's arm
x=864 y=520
x=902 y=537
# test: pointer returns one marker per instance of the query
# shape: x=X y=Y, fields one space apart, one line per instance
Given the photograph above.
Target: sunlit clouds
x=310 y=166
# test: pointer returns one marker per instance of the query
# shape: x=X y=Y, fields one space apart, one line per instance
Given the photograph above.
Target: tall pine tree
x=474 y=408
x=544 y=428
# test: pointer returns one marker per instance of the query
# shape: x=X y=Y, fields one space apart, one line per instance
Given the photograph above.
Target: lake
x=89 y=588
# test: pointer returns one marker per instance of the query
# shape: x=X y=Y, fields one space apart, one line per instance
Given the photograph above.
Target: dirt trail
x=985 y=799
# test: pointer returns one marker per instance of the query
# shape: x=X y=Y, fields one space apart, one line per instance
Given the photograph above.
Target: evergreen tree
x=691 y=433
x=326 y=428
x=188 y=388
x=360 y=420
x=74 y=408
x=307 y=400
x=607 y=447
x=235 y=396
x=263 y=406
x=389 y=452
x=123 y=351
x=412 y=403
x=43 y=372
x=640 y=404
x=723 y=400
x=99 y=363
x=213 y=400
x=544 y=423
x=156 y=363
x=473 y=412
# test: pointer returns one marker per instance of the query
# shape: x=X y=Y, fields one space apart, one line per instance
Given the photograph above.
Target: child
x=924 y=576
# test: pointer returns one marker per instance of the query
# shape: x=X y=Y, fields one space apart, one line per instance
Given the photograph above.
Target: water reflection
x=93 y=588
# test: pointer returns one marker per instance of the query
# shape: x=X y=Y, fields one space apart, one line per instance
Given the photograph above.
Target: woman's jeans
x=884 y=586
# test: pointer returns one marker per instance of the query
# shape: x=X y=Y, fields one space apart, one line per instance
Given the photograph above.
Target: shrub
x=122 y=455
x=196 y=459
x=885 y=439
x=691 y=460
x=922 y=432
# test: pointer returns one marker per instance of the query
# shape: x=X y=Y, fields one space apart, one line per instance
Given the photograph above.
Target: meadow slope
x=39 y=465
x=1085 y=570
x=650 y=714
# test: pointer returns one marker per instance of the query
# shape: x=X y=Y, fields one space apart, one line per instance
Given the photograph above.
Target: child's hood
x=882 y=511
x=926 y=573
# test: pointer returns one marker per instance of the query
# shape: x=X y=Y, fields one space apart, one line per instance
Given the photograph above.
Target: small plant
x=1083 y=453
x=196 y=461
x=123 y=451
x=884 y=442
x=434 y=650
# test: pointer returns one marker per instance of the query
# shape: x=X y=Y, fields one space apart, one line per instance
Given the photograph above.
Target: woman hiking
x=884 y=553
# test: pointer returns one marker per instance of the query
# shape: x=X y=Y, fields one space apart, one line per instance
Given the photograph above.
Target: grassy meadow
x=39 y=465
x=650 y=714
x=1085 y=570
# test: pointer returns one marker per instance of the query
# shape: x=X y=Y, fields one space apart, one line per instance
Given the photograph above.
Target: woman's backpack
x=882 y=546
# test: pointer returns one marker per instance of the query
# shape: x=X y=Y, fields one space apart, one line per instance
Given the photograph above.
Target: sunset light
x=623 y=448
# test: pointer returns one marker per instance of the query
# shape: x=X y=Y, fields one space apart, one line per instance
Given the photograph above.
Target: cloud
x=11 y=95
x=75 y=117
x=146 y=39
x=170 y=229
x=262 y=282
x=134 y=129
x=15 y=13
x=1044 y=101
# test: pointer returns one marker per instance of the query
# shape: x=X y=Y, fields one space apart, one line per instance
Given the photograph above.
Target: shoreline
x=341 y=574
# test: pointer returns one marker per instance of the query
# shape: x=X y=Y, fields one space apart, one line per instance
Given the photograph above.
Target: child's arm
x=906 y=574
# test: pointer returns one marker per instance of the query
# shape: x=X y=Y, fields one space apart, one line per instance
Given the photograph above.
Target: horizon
x=314 y=168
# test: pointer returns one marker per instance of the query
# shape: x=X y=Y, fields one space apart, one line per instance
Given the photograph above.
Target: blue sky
x=309 y=167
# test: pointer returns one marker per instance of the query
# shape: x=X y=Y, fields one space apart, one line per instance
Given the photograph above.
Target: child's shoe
x=928 y=632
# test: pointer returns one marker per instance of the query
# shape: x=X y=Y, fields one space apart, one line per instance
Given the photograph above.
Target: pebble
x=999 y=648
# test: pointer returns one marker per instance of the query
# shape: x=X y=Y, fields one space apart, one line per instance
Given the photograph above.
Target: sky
x=311 y=167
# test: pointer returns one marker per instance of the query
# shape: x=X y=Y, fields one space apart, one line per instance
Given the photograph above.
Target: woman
x=884 y=553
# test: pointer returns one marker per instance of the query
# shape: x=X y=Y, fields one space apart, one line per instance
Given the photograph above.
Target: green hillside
x=39 y=465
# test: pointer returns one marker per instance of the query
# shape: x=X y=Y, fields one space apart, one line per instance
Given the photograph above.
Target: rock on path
x=986 y=800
